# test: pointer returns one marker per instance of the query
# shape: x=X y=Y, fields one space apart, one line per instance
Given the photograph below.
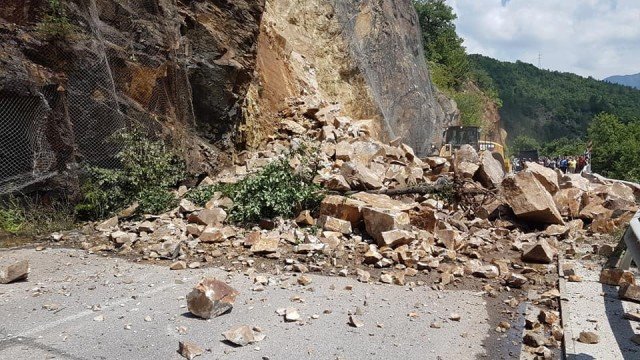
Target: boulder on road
x=211 y=298
x=491 y=172
x=14 y=272
x=529 y=200
x=243 y=335
x=546 y=176
x=541 y=252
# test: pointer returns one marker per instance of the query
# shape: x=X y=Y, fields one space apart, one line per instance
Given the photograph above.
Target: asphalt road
x=56 y=315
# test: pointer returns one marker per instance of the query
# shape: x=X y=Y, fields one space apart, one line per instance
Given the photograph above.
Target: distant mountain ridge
x=627 y=80
x=548 y=105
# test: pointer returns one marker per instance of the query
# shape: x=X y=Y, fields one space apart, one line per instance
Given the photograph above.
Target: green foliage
x=563 y=147
x=442 y=44
x=449 y=63
x=548 y=105
x=524 y=143
x=12 y=218
x=471 y=106
x=30 y=216
x=277 y=190
x=56 y=24
x=147 y=170
x=615 y=147
x=155 y=200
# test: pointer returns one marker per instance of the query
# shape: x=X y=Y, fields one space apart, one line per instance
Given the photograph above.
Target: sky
x=597 y=38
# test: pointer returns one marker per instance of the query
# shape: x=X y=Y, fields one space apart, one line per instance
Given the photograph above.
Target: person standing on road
x=572 y=165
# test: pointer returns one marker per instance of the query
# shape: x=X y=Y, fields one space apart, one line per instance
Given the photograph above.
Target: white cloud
x=595 y=38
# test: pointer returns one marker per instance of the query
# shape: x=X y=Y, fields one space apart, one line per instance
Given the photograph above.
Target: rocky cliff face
x=365 y=54
x=72 y=76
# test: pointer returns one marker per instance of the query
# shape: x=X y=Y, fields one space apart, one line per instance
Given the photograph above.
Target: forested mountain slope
x=548 y=105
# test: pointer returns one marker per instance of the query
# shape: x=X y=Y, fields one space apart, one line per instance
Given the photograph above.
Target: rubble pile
x=507 y=234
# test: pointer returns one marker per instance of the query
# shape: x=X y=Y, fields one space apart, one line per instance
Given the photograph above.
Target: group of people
x=566 y=164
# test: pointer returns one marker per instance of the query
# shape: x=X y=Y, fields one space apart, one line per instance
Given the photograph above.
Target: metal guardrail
x=632 y=242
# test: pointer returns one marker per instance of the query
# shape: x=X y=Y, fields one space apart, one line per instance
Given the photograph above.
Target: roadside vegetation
x=148 y=170
x=278 y=190
x=451 y=69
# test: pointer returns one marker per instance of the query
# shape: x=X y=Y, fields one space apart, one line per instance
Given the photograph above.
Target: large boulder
x=546 y=176
x=13 y=272
x=211 y=298
x=567 y=181
x=466 y=161
x=529 y=200
x=378 y=221
x=343 y=208
x=570 y=201
x=491 y=171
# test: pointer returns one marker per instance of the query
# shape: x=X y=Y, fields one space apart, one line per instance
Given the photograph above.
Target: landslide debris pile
x=452 y=221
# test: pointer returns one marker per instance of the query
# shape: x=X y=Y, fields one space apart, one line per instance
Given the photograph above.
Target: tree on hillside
x=442 y=44
x=616 y=147
x=524 y=143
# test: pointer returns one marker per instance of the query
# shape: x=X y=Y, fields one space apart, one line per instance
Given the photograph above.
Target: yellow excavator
x=456 y=136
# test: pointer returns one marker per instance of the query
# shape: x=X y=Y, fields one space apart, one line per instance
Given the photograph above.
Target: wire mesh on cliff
x=384 y=37
x=114 y=83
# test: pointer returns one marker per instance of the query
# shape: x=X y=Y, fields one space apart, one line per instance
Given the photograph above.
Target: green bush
x=147 y=167
x=155 y=200
x=56 y=24
x=277 y=190
x=12 y=218
x=471 y=106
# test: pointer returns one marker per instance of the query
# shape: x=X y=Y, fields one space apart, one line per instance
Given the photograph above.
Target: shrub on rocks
x=276 y=190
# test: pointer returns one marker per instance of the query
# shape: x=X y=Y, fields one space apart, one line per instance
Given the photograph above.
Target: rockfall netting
x=111 y=82
x=384 y=37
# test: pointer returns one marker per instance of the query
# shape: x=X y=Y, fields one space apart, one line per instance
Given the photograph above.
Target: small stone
x=304 y=280
x=575 y=278
x=194 y=265
x=148 y=319
x=455 y=317
x=355 y=322
x=99 y=318
x=363 y=276
x=436 y=325
x=386 y=279
x=305 y=219
x=533 y=339
x=291 y=315
x=178 y=265
x=541 y=252
x=516 y=280
x=243 y=335
x=588 y=337
x=189 y=350
x=616 y=277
